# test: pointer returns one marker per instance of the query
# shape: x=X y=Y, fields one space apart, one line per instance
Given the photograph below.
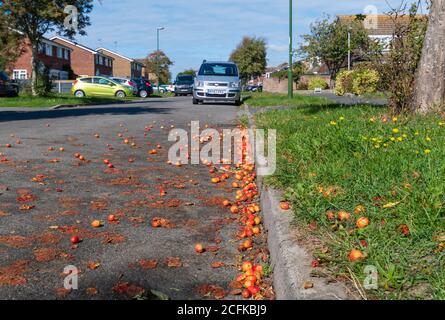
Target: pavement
x=47 y=196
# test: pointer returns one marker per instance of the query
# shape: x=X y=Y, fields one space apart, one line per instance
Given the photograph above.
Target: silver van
x=217 y=81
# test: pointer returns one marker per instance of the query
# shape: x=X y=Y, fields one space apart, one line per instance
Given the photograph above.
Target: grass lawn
x=262 y=99
x=53 y=100
x=390 y=170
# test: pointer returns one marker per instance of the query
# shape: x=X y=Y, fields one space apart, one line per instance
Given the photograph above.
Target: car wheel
x=238 y=102
x=79 y=94
x=143 y=94
x=120 y=94
x=195 y=101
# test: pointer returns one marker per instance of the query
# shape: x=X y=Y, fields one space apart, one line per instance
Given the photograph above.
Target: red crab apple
x=106 y=161
x=110 y=165
x=254 y=290
x=75 y=240
x=247 y=266
x=199 y=248
x=362 y=223
x=246 y=294
x=284 y=205
x=247 y=244
x=8 y=145
x=112 y=218
x=355 y=255
x=343 y=216
x=96 y=224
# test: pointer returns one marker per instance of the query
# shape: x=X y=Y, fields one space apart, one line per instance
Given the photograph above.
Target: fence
x=62 y=86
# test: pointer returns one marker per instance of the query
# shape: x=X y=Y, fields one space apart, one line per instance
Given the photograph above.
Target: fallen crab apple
x=362 y=223
x=284 y=205
x=199 y=248
x=343 y=216
x=356 y=255
x=96 y=224
x=75 y=240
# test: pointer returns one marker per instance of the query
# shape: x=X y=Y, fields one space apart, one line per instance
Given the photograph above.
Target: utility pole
x=157 y=55
x=349 y=48
x=290 y=75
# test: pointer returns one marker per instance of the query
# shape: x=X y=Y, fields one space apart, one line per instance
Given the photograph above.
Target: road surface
x=47 y=195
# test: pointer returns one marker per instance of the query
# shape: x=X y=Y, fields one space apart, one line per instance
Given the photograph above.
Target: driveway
x=47 y=195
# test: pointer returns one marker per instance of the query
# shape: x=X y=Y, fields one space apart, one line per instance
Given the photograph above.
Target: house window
x=59 y=52
x=20 y=74
x=67 y=54
x=97 y=59
x=49 y=50
x=41 y=48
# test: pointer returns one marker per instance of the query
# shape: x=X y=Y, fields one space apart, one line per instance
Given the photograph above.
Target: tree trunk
x=429 y=91
x=34 y=66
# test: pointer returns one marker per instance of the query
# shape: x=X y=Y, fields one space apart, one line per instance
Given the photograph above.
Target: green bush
x=343 y=83
x=317 y=83
x=358 y=82
x=365 y=81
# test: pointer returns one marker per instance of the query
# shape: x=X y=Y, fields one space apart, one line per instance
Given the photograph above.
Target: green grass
x=273 y=99
x=333 y=157
x=25 y=101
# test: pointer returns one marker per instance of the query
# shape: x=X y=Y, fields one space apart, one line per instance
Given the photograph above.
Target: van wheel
x=120 y=94
x=79 y=94
x=143 y=94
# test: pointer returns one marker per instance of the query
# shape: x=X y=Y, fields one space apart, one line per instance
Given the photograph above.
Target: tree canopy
x=251 y=57
x=327 y=43
x=35 y=18
x=159 y=59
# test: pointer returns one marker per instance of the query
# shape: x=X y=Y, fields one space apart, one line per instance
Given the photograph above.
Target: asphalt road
x=64 y=195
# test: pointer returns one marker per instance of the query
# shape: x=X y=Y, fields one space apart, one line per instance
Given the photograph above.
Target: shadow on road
x=79 y=112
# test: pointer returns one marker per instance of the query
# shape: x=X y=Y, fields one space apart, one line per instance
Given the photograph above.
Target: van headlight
x=234 y=85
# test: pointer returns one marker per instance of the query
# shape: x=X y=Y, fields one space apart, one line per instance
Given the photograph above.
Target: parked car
x=8 y=87
x=217 y=81
x=184 y=85
x=99 y=86
x=253 y=88
x=144 y=87
x=126 y=82
x=162 y=88
x=170 y=88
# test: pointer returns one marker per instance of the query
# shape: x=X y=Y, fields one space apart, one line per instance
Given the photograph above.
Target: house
x=86 y=61
x=123 y=66
x=55 y=57
x=380 y=27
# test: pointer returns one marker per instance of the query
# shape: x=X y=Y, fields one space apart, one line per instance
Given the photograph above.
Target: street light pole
x=290 y=75
x=157 y=56
x=349 y=48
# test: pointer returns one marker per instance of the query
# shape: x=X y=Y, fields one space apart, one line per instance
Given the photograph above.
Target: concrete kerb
x=291 y=263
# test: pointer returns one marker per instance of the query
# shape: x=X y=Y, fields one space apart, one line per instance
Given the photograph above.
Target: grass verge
x=356 y=159
x=52 y=100
x=262 y=99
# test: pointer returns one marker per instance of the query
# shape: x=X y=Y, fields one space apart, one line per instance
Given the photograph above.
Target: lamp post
x=349 y=47
x=158 y=29
x=290 y=76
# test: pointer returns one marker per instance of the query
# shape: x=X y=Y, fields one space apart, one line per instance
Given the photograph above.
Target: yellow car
x=99 y=86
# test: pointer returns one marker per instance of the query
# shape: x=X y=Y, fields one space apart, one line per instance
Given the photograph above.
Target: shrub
x=365 y=81
x=302 y=86
x=343 y=83
x=358 y=82
x=317 y=83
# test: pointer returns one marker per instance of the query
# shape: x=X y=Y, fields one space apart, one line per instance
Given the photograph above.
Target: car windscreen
x=185 y=80
x=3 y=76
x=219 y=69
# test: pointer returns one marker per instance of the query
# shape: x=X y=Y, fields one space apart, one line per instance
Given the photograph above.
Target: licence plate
x=213 y=91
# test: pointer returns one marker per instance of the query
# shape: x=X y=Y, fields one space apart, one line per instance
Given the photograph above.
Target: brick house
x=123 y=66
x=86 y=61
x=54 y=56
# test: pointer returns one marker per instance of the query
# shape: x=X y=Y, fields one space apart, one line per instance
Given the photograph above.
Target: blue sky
x=207 y=29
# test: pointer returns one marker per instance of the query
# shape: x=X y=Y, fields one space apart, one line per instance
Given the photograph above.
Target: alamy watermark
x=231 y=146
